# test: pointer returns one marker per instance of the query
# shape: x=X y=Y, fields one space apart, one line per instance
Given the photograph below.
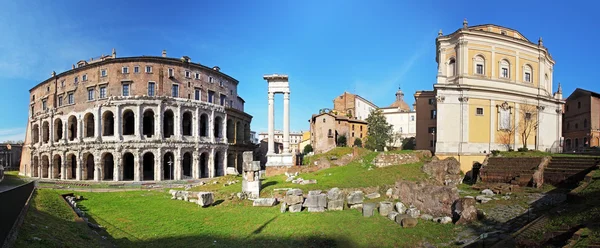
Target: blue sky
x=326 y=47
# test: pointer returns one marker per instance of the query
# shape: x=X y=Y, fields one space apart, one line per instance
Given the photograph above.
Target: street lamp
x=433 y=138
x=171 y=168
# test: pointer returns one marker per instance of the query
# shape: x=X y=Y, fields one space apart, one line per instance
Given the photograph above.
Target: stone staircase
x=517 y=171
x=561 y=170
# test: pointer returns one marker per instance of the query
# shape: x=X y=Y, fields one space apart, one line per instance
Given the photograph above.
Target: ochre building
x=326 y=127
x=136 y=118
x=492 y=84
x=581 y=128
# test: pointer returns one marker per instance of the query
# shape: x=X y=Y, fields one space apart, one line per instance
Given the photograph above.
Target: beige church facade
x=493 y=87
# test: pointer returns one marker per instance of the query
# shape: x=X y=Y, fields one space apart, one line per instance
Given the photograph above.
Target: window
x=125 y=89
x=102 y=92
x=504 y=69
x=479 y=62
x=231 y=92
x=210 y=80
x=60 y=101
x=125 y=70
x=175 y=90
x=47 y=88
x=324 y=120
x=527 y=116
x=197 y=94
x=566 y=107
x=188 y=74
x=431 y=101
x=431 y=130
x=412 y=118
x=103 y=73
x=222 y=100
x=352 y=127
x=151 y=88
x=62 y=83
x=221 y=83
x=527 y=77
x=84 y=77
x=70 y=98
x=330 y=134
x=171 y=72
x=91 y=94
x=479 y=111
x=76 y=80
x=148 y=69
x=197 y=76
x=44 y=104
x=480 y=69
x=210 y=96
x=578 y=105
x=504 y=72
x=527 y=71
x=451 y=67
x=136 y=69
x=433 y=114
x=231 y=103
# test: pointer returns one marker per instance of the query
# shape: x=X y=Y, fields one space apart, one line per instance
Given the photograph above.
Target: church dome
x=400 y=103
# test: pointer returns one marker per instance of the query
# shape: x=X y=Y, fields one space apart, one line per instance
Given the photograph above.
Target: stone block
x=369 y=209
x=358 y=206
x=409 y=222
x=264 y=202
x=205 y=199
x=355 y=197
x=247 y=156
x=283 y=208
x=392 y=215
x=335 y=194
x=400 y=217
x=385 y=208
x=252 y=166
x=315 y=201
x=400 y=208
x=316 y=209
x=373 y=195
x=413 y=212
x=295 y=208
x=314 y=192
x=335 y=205
x=294 y=192
x=426 y=217
x=293 y=199
x=252 y=189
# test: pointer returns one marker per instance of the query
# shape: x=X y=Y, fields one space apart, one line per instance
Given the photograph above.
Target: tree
x=529 y=122
x=397 y=139
x=307 y=149
x=379 y=132
x=506 y=137
x=408 y=143
x=358 y=142
x=341 y=140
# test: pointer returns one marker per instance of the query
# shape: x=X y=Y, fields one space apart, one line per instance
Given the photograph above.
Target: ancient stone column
x=271 y=123
x=196 y=164
x=158 y=122
x=97 y=124
x=178 y=123
x=97 y=167
x=137 y=164
x=286 y=123
x=158 y=165
x=211 y=163
x=177 y=170
x=117 y=124
x=63 y=167
x=78 y=169
x=211 y=126
x=139 y=119
x=117 y=176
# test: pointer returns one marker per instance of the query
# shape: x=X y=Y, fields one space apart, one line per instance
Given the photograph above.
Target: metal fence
x=13 y=206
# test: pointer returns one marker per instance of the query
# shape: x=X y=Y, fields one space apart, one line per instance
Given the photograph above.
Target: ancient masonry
x=136 y=119
x=279 y=84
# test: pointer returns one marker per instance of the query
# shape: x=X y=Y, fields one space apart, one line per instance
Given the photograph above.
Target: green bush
x=307 y=149
x=495 y=152
x=341 y=140
x=523 y=149
x=358 y=142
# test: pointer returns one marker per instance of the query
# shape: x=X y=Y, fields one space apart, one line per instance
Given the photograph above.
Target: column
x=117 y=176
x=51 y=166
x=78 y=169
x=517 y=74
x=66 y=130
x=177 y=170
x=211 y=126
x=211 y=163
x=177 y=127
x=224 y=129
x=137 y=165
x=196 y=126
x=139 y=119
x=286 y=123
x=117 y=123
x=224 y=164
x=97 y=167
x=196 y=164
x=465 y=55
x=51 y=131
x=63 y=167
x=97 y=125
x=493 y=72
x=158 y=165
x=158 y=118
x=271 y=124
x=443 y=64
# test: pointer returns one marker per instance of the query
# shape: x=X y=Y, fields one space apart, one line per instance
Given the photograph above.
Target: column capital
x=286 y=95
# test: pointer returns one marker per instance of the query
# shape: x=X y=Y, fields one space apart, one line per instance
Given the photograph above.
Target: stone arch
x=35 y=170
x=56 y=166
x=148 y=166
x=45 y=167
x=128 y=122
x=72 y=125
x=168 y=124
x=45 y=132
x=71 y=166
x=88 y=125
x=108 y=166
x=128 y=166
x=239 y=162
x=451 y=67
x=204 y=165
x=239 y=136
x=58 y=129
x=218 y=163
x=218 y=126
x=186 y=123
x=108 y=123
x=186 y=164
x=203 y=125
x=168 y=166
x=246 y=133
x=230 y=130
x=148 y=126
x=35 y=133
x=88 y=167
x=231 y=160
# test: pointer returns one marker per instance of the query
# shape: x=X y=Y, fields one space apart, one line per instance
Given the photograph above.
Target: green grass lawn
x=12 y=178
x=151 y=219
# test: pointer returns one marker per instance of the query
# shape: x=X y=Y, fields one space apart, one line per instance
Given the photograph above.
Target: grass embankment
x=51 y=223
x=12 y=178
x=151 y=219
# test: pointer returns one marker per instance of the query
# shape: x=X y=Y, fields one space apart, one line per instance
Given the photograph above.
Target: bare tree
x=507 y=136
x=397 y=139
x=528 y=122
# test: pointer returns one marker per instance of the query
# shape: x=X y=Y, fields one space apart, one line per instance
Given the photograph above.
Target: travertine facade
x=136 y=118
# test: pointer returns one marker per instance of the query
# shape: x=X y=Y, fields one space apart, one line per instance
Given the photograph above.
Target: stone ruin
x=251 y=182
x=203 y=199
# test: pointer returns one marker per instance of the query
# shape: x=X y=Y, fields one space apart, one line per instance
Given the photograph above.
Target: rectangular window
x=125 y=70
x=480 y=69
x=136 y=69
x=197 y=94
x=431 y=130
x=90 y=94
x=527 y=77
x=479 y=111
x=151 y=88
x=210 y=80
x=102 y=92
x=188 y=74
x=84 y=77
x=222 y=100
x=103 y=73
x=44 y=104
x=505 y=72
x=175 y=90
x=148 y=69
x=70 y=98
x=211 y=94
x=433 y=114
x=76 y=80
x=527 y=116
x=221 y=83
x=231 y=103
x=231 y=92
x=125 y=89
x=431 y=101
x=171 y=72
x=60 y=101
x=412 y=118
x=197 y=76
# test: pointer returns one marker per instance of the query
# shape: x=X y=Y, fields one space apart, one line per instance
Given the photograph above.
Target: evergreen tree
x=358 y=142
x=308 y=149
x=341 y=140
x=379 y=132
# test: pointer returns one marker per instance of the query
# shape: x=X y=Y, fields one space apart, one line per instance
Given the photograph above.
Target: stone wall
x=385 y=159
x=518 y=171
x=431 y=199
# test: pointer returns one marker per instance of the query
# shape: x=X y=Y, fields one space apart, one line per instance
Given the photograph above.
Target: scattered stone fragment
x=264 y=202
x=482 y=198
x=443 y=220
x=368 y=209
x=205 y=199
x=373 y=195
x=335 y=205
x=294 y=192
x=283 y=208
x=355 y=197
x=392 y=215
x=413 y=212
x=357 y=206
x=385 y=208
x=426 y=217
x=400 y=217
x=389 y=193
x=295 y=208
x=409 y=222
x=293 y=199
x=400 y=208
x=487 y=192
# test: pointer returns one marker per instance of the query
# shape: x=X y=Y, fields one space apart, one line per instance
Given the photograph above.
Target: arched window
x=527 y=74
x=451 y=67
x=546 y=80
x=504 y=69
x=479 y=64
x=585 y=123
x=329 y=134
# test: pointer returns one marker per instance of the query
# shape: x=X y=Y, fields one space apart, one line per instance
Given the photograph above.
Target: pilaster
x=196 y=165
x=63 y=167
x=177 y=170
x=139 y=119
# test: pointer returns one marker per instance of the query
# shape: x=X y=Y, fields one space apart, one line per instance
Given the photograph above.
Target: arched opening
x=108 y=167
x=218 y=126
x=35 y=133
x=128 y=166
x=168 y=166
x=58 y=130
x=204 y=125
x=187 y=164
x=585 y=142
x=247 y=133
x=576 y=143
x=45 y=132
x=128 y=122
x=72 y=127
x=148 y=166
x=479 y=63
x=230 y=131
x=239 y=136
x=240 y=163
x=88 y=169
x=168 y=127
x=88 y=122
x=527 y=74
x=56 y=167
x=504 y=69
x=219 y=157
x=204 y=165
x=451 y=67
x=35 y=171
x=72 y=166
x=568 y=144
x=108 y=124
x=148 y=126
x=186 y=124
x=45 y=167
x=231 y=160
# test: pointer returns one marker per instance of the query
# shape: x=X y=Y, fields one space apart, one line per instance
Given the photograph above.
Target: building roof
x=400 y=103
x=579 y=92
x=339 y=118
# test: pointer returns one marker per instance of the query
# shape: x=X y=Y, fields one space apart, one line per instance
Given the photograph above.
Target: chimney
x=164 y=53
x=72 y=66
x=114 y=53
x=54 y=74
x=216 y=68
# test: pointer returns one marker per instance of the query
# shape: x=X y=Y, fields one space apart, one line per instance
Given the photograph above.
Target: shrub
x=341 y=140
x=523 y=149
x=495 y=152
x=358 y=142
x=511 y=150
x=307 y=149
